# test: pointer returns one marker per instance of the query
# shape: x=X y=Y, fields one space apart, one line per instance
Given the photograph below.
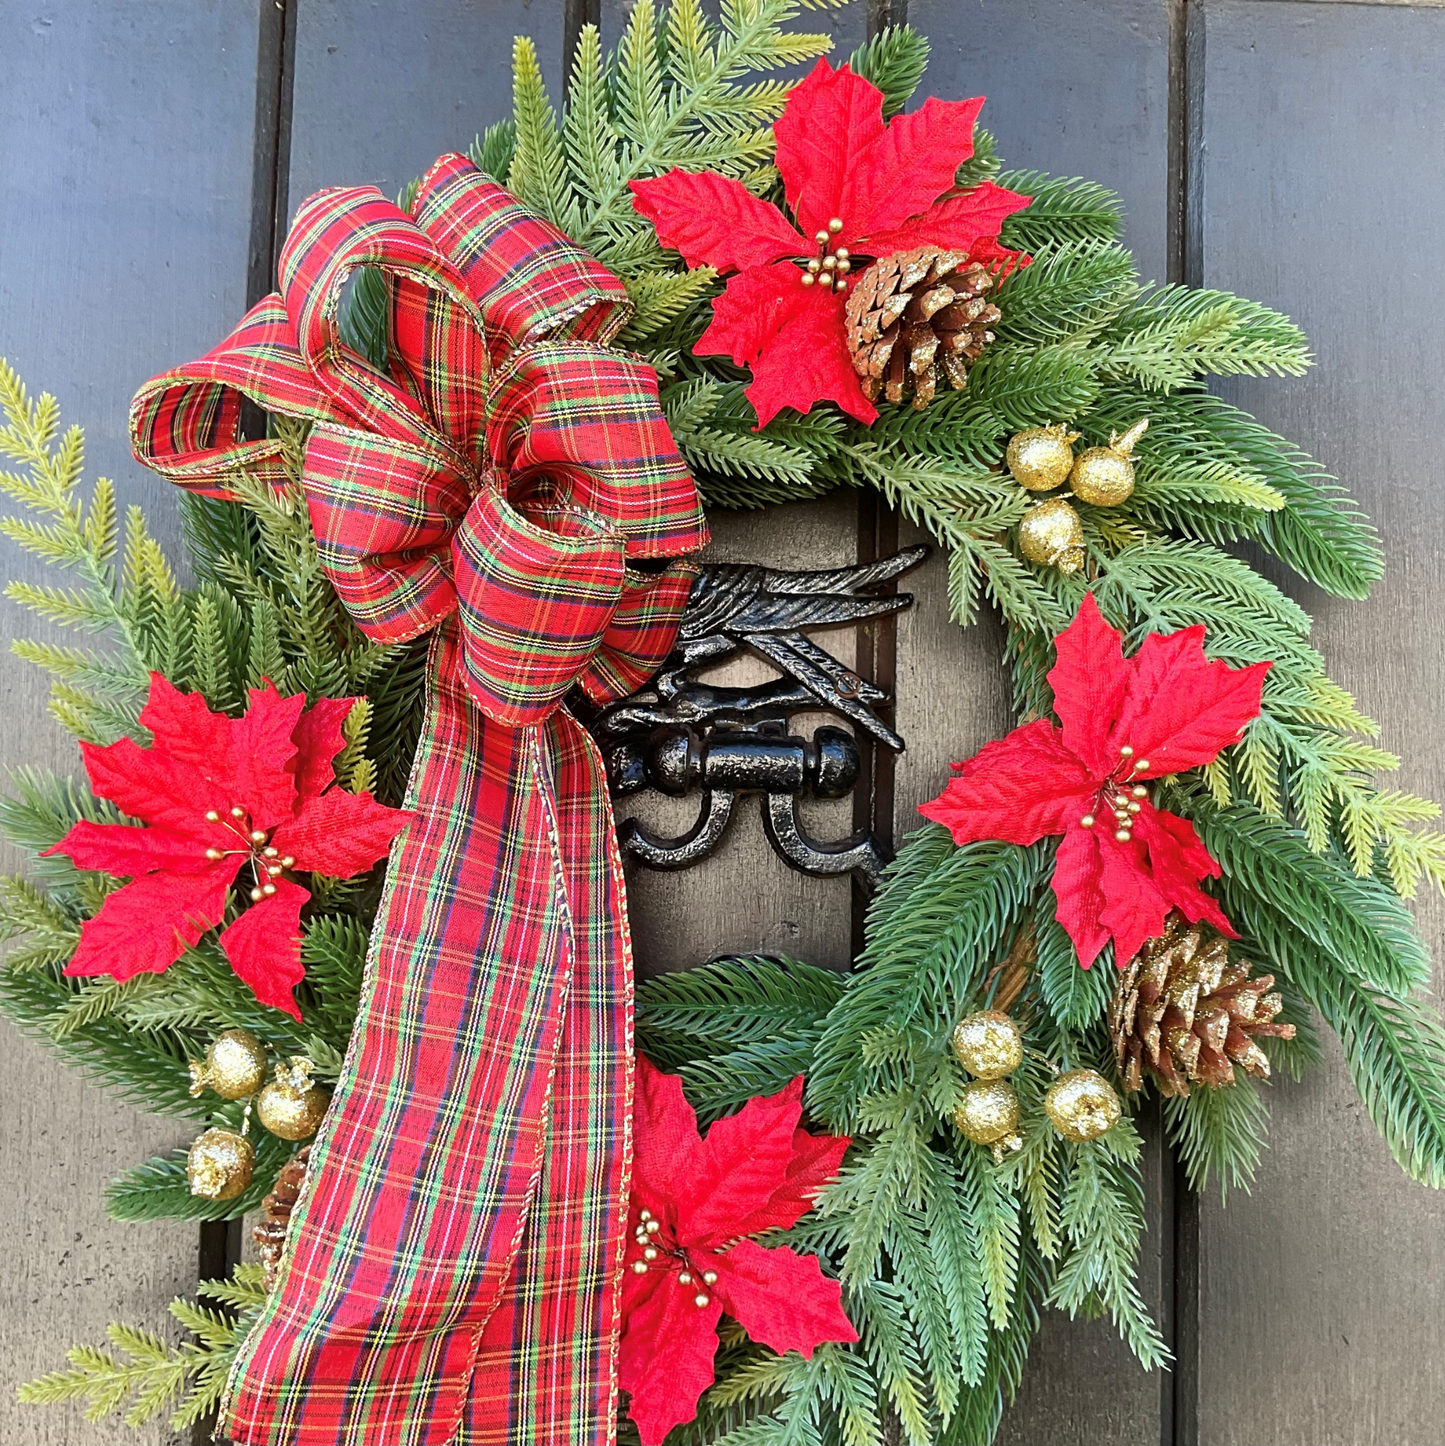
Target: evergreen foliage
x=144 y=1376
x=946 y=1256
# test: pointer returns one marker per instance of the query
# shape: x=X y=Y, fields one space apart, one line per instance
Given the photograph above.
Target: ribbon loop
x=435 y=390
x=537 y=594
x=384 y=513
x=533 y=283
x=186 y=423
x=581 y=426
x=564 y=441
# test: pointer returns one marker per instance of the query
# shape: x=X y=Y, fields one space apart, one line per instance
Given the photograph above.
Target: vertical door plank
x=125 y=192
x=1322 y=132
x=1073 y=90
x=383 y=87
x=744 y=899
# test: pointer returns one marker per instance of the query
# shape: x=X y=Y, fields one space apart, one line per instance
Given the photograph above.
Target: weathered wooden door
x=1290 y=150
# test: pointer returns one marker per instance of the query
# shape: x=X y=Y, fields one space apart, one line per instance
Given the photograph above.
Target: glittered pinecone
x=276 y=1208
x=916 y=316
x=1185 y=1013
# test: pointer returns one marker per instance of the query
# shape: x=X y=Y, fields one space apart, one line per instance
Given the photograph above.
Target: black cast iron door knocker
x=679 y=734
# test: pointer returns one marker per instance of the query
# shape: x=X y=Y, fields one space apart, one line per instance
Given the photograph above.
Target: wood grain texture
x=1322 y=128
x=125 y=179
x=383 y=87
x=744 y=899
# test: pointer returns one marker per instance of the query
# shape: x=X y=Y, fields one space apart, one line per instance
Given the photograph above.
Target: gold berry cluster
x=266 y=860
x=653 y=1250
x=1042 y=459
x=828 y=268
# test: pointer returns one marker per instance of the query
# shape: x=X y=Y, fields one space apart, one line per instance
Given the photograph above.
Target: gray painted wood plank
x=1073 y=90
x=1322 y=131
x=744 y=899
x=125 y=201
x=383 y=87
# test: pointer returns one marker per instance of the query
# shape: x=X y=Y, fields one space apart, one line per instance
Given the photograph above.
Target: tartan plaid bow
x=453 y=1266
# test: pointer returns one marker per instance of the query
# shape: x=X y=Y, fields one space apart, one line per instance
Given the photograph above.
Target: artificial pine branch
x=894 y=60
x=1219 y=1135
x=148 y=1375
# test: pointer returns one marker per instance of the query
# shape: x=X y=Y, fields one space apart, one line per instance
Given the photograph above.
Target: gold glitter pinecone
x=1185 y=1013
x=917 y=316
x=276 y=1208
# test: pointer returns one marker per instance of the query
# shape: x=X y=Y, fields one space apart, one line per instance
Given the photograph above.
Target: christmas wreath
x=1164 y=880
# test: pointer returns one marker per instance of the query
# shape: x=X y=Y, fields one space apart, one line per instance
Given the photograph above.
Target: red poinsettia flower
x=220 y=796
x=694 y=1202
x=851 y=182
x=1123 y=864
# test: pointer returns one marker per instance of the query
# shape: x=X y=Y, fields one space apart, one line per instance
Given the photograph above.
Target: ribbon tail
x=466 y=1191
x=565 y=1295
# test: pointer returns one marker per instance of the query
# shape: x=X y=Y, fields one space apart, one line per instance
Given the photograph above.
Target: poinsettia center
x=832 y=263
x=654 y=1249
x=1122 y=797
x=267 y=862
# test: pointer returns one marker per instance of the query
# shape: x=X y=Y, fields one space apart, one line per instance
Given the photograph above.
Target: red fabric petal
x=808 y=362
x=815 y=1162
x=125 y=851
x=792 y=336
x=146 y=926
x=665 y=1135
x=1017 y=789
x=1079 y=891
x=738 y=1168
x=831 y=117
x=184 y=727
x=665 y=1355
x=340 y=833
x=1181 y=710
x=202 y=761
x=264 y=946
x=906 y=169
x=1168 y=703
x=1177 y=861
x=752 y=310
x=715 y=220
x=781 y=1299
x=1125 y=890
x=148 y=784
x=263 y=763
x=958 y=223
x=1090 y=681
x=318 y=739
x=1134 y=909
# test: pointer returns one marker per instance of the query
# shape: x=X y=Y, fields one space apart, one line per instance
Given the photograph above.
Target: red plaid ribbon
x=453 y=1266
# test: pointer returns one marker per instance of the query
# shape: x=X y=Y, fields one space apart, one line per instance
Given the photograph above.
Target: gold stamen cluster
x=267 y=861
x=828 y=268
x=648 y=1229
x=1124 y=805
